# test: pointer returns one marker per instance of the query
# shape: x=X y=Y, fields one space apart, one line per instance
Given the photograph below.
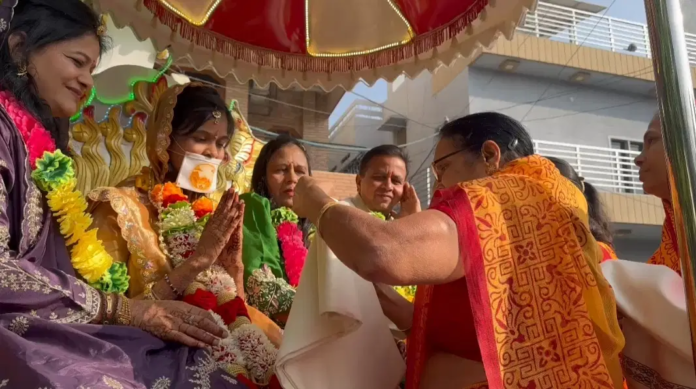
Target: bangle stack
x=123 y=313
x=115 y=309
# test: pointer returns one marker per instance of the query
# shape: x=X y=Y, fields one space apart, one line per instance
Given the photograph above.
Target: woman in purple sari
x=57 y=331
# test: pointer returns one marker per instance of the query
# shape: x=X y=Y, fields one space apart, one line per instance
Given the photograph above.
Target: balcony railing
x=594 y=30
x=607 y=169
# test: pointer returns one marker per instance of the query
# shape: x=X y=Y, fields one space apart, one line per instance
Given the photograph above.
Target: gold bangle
x=109 y=309
x=148 y=293
x=124 y=312
x=323 y=211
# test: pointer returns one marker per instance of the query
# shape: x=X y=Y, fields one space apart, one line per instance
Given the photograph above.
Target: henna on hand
x=217 y=231
x=177 y=322
x=231 y=258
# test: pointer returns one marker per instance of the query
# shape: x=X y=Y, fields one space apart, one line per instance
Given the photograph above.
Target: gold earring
x=490 y=169
x=216 y=116
x=101 y=30
x=22 y=70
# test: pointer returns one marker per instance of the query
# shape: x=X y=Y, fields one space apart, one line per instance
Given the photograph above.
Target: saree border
x=459 y=208
x=645 y=375
x=456 y=205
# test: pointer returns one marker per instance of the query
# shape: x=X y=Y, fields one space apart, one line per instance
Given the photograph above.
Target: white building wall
x=584 y=115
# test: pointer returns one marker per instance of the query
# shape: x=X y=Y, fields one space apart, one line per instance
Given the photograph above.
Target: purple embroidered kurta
x=44 y=339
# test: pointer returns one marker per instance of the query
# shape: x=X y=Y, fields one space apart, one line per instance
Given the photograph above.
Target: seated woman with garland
x=275 y=239
x=63 y=322
x=160 y=230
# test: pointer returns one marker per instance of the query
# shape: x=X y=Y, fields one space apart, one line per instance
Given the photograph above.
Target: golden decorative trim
x=33 y=220
x=197 y=23
x=141 y=239
x=113 y=140
x=396 y=9
x=90 y=168
x=136 y=135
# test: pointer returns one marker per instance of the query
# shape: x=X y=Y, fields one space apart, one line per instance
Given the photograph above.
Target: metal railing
x=593 y=30
x=607 y=169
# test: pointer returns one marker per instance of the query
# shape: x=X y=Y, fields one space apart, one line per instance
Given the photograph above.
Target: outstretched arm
x=418 y=249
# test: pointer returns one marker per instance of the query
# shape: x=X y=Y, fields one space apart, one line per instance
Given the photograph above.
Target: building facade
x=583 y=86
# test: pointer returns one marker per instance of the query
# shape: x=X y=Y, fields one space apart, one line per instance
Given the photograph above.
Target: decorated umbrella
x=318 y=42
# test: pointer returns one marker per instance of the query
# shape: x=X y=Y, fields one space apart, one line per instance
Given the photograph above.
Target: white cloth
x=655 y=323
x=336 y=336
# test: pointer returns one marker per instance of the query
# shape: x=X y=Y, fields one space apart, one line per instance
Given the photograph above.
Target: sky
x=633 y=10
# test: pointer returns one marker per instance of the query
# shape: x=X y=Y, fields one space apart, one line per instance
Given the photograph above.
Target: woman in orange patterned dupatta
x=510 y=294
x=654 y=175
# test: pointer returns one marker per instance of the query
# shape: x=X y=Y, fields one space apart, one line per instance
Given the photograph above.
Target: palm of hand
x=410 y=203
x=220 y=227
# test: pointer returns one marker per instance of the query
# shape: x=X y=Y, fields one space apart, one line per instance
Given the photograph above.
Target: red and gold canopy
x=319 y=42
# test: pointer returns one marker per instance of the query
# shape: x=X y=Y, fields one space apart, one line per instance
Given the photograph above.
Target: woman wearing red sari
x=509 y=290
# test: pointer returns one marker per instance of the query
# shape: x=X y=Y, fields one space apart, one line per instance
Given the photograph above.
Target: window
x=627 y=177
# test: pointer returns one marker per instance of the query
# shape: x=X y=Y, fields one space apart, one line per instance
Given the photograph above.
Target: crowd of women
x=155 y=284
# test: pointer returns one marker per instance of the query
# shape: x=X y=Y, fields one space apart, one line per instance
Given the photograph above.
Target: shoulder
x=10 y=144
x=447 y=199
x=6 y=126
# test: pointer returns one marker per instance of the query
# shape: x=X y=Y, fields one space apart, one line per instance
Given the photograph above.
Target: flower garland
x=246 y=351
x=291 y=241
x=407 y=292
x=54 y=174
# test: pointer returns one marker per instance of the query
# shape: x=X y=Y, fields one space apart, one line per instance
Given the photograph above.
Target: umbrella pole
x=678 y=114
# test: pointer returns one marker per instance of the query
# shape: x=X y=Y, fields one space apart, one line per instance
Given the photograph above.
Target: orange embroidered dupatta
x=544 y=315
x=668 y=252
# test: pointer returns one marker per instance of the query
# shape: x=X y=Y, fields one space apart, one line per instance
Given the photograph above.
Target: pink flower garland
x=35 y=136
x=294 y=251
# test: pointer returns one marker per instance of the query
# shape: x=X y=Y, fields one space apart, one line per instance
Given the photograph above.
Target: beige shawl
x=337 y=336
x=651 y=302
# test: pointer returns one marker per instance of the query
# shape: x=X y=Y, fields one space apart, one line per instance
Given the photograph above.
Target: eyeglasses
x=433 y=166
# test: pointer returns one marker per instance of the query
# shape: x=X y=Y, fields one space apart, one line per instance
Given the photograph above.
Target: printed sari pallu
x=668 y=252
x=534 y=307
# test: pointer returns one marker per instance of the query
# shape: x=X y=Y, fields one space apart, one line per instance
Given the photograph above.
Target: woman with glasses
x=509 y=289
